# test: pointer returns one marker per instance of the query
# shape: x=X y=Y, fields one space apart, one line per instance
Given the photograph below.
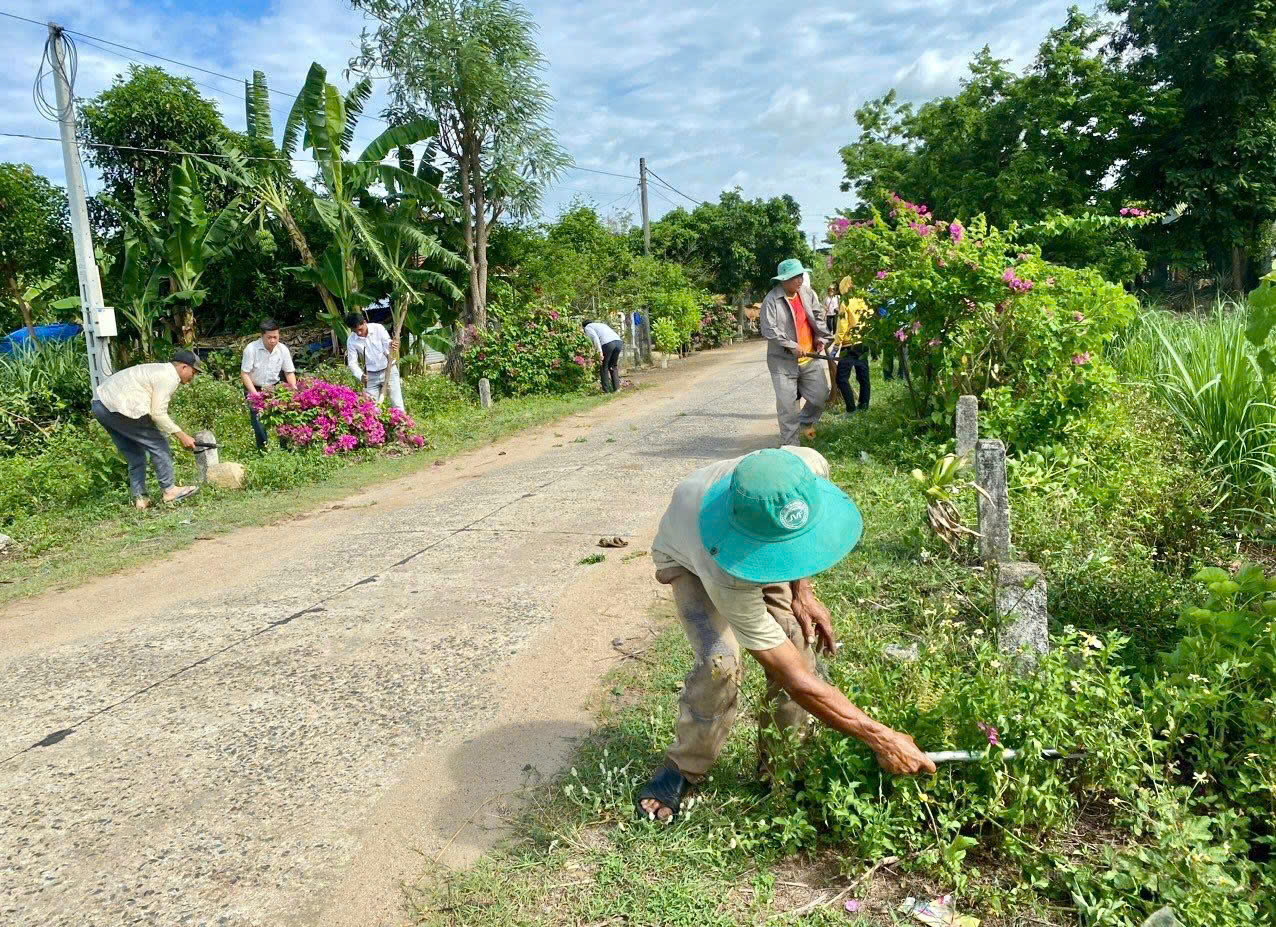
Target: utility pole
x=99 y=320
x=646 y=250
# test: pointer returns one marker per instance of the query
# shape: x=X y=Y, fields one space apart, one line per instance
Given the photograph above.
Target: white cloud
x=756 y=94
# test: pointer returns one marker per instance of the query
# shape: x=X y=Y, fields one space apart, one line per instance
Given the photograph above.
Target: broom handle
x=970 y=756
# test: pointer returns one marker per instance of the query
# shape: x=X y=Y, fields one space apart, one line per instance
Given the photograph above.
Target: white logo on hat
x=794 y=515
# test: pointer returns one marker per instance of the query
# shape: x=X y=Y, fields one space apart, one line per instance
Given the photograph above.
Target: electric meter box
x=104 y=322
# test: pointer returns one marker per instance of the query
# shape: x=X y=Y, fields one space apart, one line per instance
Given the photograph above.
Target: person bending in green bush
x=609 y=347
x=132 y=405
x=738 y=544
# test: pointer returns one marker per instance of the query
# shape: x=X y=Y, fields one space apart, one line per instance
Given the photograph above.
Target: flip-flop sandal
x=668 y=787
x=190 y=491
x=613 y=542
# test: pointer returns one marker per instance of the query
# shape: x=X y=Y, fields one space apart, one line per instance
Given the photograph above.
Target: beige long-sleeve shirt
x=143 y=390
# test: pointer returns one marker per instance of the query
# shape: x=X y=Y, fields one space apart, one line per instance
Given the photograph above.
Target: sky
x=715 y=95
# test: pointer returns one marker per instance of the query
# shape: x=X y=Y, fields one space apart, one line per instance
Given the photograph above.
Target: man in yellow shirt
x=132 y=405
x=848 y=340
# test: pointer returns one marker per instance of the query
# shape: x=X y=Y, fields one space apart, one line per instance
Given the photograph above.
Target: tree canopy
x=474 y=68
x=35 y=239
x=732 y=246
x=147 y=109
x=1174 y=103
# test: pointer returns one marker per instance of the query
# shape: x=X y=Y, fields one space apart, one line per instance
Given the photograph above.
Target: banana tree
x=363 y=222
x=186 y=240
x=265 y=174
x=140 y=301
x=406 y=227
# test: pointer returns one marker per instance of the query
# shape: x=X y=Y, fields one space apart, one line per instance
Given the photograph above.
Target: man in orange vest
x=790 y=326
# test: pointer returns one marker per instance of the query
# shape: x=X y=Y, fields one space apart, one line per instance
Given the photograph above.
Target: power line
x=675 y=189
x=181 y=64
x=624 y=196
x=575 y=167
x=164 y=151
x=660 y=193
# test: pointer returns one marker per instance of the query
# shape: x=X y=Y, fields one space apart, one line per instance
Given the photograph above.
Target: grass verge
x=94 y=539
x=1103 y=841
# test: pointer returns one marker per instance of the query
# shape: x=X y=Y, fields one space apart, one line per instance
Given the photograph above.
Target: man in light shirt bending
x=132 y=405
x=371 y=340
x=609 y=346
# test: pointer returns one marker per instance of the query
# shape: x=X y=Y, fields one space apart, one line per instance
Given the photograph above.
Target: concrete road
x=276 y=726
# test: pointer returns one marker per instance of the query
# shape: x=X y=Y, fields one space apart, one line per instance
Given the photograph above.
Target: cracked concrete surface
x=273 y=727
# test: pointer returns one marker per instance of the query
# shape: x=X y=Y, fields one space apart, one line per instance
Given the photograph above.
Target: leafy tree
x=1024 y=148
x=733 y=246
x=473 y=67
x=35 y=239
x=574 y=263
x=153 y=110
x=1212 y=144
x=182 y=242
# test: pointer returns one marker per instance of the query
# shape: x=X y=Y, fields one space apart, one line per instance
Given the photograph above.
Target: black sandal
x=669 y=787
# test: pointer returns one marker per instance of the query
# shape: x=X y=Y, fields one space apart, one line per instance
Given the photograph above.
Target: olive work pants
x=707 y=706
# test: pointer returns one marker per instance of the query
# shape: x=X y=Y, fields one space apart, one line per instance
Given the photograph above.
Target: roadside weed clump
x=1205 y=372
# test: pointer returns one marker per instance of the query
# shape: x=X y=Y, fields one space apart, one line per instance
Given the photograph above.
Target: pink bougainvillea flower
x=1078 y=317
x=881 y=274
x=1015 y=283
x=956 y=232
x=1080 y=360
x=934 y=343
x=902 y=334
x=994 y=738
x=553 y=314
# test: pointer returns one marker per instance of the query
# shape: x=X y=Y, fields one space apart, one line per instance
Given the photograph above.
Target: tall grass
x=1203 y=371
x=40 y=389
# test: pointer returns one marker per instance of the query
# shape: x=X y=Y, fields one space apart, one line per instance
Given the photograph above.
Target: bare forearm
x=249 y=385
x=830 y=706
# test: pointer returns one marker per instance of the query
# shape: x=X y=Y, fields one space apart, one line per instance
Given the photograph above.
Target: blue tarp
x=16 y=341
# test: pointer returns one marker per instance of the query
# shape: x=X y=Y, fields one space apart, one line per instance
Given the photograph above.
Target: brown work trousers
x=707 y=707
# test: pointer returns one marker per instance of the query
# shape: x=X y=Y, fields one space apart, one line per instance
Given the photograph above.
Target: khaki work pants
x=794 y=383
x=707 y=707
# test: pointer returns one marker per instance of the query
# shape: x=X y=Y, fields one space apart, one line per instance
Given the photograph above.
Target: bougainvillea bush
x=983 y=315
x=531 y=349
x=333 y=418
x=717 y=324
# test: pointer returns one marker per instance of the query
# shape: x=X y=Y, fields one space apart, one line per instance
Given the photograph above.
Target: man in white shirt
x=132 y=405
x=371 y=340
x=609 y=347
x=738 y=545
x=265 y=361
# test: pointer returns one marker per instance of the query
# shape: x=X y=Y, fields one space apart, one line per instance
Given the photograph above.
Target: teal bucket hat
x=789 y=269
x=772 y=520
